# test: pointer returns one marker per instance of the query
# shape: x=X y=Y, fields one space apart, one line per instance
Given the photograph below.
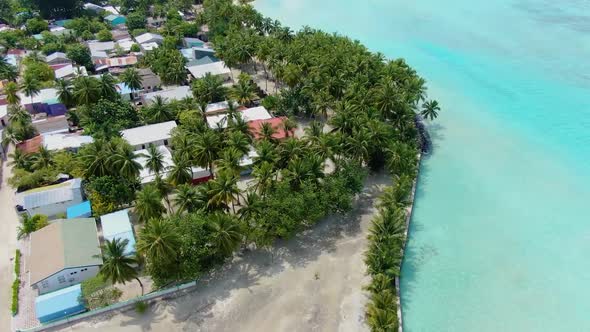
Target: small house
x=280 y=134
x=149 y=37
x=69 y=72
x=200 y=52
x=192 y=42
x=216 y=69
x=115 y=20
x=51 y=200
x=250 y=114
x=117 y=225
x=157 y=134
x=145 y=176
x=57 y=58
x=149 y=81
x=175 y=93
x=63 y=253
x=60 y=304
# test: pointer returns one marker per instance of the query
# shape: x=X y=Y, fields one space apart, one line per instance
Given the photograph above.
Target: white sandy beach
x=313 y=282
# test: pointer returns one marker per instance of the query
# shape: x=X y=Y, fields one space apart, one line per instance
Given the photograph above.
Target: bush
x=97 y=293
x=141 y=307
x=16 y=283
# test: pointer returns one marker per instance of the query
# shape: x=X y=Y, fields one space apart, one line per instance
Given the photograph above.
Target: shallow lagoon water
x=500 y=235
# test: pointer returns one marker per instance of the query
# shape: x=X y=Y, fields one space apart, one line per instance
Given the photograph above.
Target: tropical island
x=192 y=133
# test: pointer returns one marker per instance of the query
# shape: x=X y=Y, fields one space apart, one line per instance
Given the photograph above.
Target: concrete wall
x=156 y=143
x=66 y=278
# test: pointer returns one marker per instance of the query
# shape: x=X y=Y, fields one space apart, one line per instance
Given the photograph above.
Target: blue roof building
x=193 y=42
x=115 y=20
x=59 y=304
x=82 y=210
x=116 y=225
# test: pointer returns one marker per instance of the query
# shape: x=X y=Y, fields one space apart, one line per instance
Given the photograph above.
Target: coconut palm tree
x=64 y=92
x=252 y=206
x=264 y=174
x=148 y=203
x=230 y=161
x=358 y=145
x=401 y=158
x=288 y=125
x=117 y=267
x=96 y=158
x=123 y=161
x=159 y=241
x=238 y=141
x=206 y=149
x=30 y=87
x=223 y=191
x=7 y=71
x=267 y=131
x=243 y=92
x=382 y=312
x=266 y=152
x=180 y=172
x=132 y=79
x=158 y=111
x=154 y=160
x=225 y=232
x=187 y=199
x=42 y=159
x=18 y=115
x=11 y=90
x=87 y=90
x=20 y=159
x=108 y=89
x=29 y=225
x=430 y=110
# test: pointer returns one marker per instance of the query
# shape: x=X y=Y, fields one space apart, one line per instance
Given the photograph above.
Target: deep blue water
x=500 y=237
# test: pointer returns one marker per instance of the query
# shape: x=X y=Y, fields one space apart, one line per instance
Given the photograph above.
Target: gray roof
x=176 y=93
x=58 y=193
x=55 y=56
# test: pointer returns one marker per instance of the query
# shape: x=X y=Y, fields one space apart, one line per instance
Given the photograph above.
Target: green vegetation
x=98 y=293
x=141 y=307
x=16 y=283
x=118 y=267
x=31 y=224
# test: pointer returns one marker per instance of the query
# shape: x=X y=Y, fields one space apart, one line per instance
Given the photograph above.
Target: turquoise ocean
x=500 y=236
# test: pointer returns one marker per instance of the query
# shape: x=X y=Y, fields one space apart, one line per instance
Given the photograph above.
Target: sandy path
x=8 y=224
x=311 y=283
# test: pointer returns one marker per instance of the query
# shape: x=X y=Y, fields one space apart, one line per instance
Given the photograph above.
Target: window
x=165 y=142
x=143 y=146
x=61 y=279
x=45 y=283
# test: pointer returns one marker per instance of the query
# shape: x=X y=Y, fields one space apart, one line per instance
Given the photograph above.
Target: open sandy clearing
x=310 y=283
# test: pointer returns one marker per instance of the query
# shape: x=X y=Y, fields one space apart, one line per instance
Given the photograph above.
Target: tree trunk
x=140 y=284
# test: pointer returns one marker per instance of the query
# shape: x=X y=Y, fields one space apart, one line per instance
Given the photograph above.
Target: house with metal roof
x=115 y=20
x=64 y=253
x=175 y=93
x=216 y=69
x=149 y=37
x=192 y=42
x=146 y=176
x=59 y=304
x=69 y=71
x=157 y=134
x=275 y=123
x=51 y=200
x=117 y=225
x=217 y=121
x=56 y=58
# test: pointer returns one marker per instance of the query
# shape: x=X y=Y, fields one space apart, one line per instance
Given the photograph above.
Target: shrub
x=141 y=307
x=98 y=293
x=16 y=283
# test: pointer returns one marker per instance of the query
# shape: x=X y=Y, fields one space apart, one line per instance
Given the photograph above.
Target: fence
x=121 y=306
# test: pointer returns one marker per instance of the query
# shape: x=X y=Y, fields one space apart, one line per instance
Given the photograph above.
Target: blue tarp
x=59 y=304
x=82 y=210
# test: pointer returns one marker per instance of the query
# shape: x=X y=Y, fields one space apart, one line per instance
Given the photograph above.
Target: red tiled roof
x=16 y=52
x=31 y=145
x=256 y=126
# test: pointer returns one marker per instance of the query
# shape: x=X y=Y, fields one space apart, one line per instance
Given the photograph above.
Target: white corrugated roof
x=220 y=106
x=176 y=93
x=149 y=134
x=250 y=114
x=215 y=68
x=53 y=194
x=149 y=37
x=101 y=46
x=55 y=55
x=60 y=141
x=43 y=96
